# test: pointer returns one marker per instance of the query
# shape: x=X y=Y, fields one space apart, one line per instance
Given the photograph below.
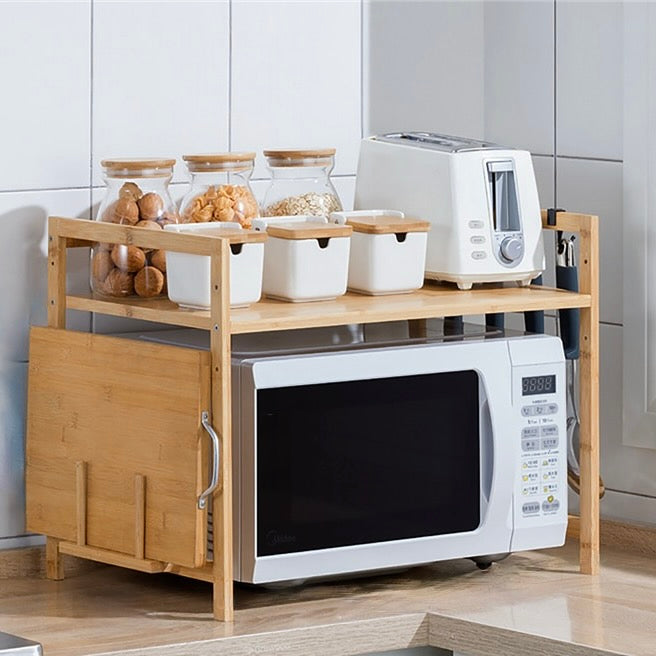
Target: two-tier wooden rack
x=107 y=454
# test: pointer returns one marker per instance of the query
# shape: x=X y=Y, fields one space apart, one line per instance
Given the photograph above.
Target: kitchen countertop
x=533 y=602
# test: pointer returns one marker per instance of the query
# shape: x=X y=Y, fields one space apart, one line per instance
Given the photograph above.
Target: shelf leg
x=220 y=345
x=56 y=281
x=54 y=565
x=589 y=382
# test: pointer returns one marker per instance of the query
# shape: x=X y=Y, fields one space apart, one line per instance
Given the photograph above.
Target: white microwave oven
x=367 y=456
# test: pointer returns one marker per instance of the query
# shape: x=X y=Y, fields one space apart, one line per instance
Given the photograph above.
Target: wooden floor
x=452 y=605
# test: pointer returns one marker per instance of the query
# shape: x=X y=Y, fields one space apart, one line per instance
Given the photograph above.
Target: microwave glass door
x=367 y=461
x=503 y=196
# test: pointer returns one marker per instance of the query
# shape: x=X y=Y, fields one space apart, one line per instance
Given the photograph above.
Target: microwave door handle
x=487 y=448
x=205 y=420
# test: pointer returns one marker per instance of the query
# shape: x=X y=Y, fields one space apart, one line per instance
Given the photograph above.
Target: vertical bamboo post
x=56 y=319
x=139 y=516
x=220 y=344
x=81 y=501
x=589 y=386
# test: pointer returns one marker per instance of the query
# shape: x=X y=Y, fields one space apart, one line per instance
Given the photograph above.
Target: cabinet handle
x=205 y=420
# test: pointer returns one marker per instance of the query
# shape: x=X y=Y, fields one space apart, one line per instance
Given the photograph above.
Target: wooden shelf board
x=433 y=301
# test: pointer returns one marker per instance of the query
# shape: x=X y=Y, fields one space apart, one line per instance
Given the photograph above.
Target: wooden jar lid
x=308 y=230
x=384 y=225
x=136 y=164
x=300 y=157
x=138 y=168
x=211 y=162
x=303 y=153
x=214 y=158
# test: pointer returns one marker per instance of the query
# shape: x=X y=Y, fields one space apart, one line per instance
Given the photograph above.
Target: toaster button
x=479 y=255
x=477 y=239
x=476 y=225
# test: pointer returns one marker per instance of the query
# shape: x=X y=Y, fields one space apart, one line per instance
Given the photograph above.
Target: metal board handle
x=205 y=420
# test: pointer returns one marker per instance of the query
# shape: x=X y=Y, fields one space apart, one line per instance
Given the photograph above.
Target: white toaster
x=481 y=200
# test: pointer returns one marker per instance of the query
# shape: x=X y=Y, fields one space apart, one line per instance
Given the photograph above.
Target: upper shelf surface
x=433 y=301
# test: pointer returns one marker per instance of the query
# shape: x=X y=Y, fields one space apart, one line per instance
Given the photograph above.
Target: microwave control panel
x=541 y=485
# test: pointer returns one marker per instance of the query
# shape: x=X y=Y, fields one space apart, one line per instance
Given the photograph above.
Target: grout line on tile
x=362 y=69
x=91 y=26
x=634 y=494
x=592 y=159
x=230 y=75
x=555 y=102
x=40 y=189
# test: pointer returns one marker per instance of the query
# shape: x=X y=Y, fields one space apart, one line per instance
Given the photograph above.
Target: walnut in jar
x=137 y=196
x=125 y=211
x=149 y=282
x=128 y=258
x=118 y=283
x=101 y=265
x=151 y=206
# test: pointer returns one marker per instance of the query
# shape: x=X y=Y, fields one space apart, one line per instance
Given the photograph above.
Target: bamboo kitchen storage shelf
x=122 y=487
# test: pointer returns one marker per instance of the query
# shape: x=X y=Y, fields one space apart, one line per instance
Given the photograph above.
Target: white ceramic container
x=388 y=251
x=189 y=275
x=304 y=260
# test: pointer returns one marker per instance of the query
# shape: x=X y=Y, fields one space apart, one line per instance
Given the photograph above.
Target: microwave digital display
x=538 y=385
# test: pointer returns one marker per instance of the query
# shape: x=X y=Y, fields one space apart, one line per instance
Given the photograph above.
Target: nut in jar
x=220 y=189
x=137 y=195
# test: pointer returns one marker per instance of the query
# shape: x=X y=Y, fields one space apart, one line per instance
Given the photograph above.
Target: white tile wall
x=13 y=390
x=160 y=79
x=627 y=469
x=44 y=112
x=519 y=74
x=545 y=176
x=423 y=67
x=590 y=81
x=174 y=76
x=296 y=77
x=596 y=187
x=23 y=258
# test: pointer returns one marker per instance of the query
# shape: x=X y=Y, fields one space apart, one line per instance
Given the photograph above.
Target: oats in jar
x=311 y=204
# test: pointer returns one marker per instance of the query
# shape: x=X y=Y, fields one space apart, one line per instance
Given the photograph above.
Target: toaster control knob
x=511 y=249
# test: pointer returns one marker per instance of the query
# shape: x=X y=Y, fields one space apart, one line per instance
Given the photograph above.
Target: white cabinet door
x=639 y=429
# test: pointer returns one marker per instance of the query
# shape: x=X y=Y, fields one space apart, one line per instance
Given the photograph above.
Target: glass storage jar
x=220 y=189
x=300 y=183
x=137 y=195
